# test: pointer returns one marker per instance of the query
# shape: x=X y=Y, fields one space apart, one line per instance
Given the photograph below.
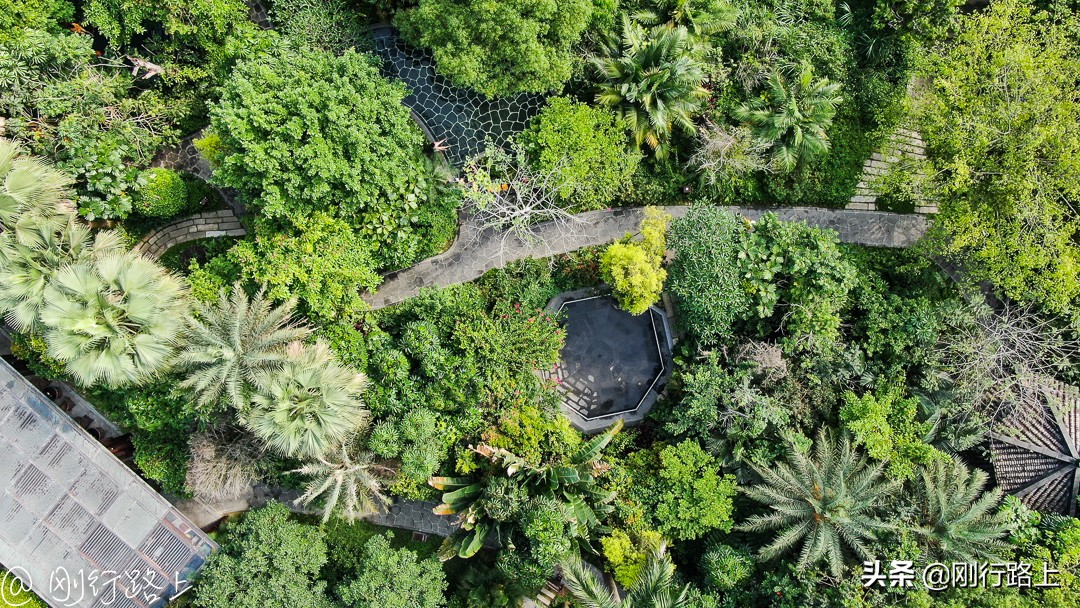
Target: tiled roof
x=71 y=511
x=1034 y=448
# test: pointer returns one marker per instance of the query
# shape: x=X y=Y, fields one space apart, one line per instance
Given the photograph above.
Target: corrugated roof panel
x=68 y=503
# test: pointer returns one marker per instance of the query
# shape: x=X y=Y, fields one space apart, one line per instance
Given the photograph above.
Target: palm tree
x=956 y=521
x=701 y=17
x=309 y=405
x=480 y=504
x=33 y=252
x=231 y=341
x=654 y=588
x=113 y=319
x=653 y=81
x=28 y=186
x=825 y=501
x=793 y=116
x=352 y=482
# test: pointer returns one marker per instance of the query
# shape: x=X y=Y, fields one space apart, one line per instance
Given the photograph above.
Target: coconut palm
x=653 y=81
x=308 y=406
x=655 y=585
x=35 y=251
x=353 y=482
x=793 y=116
x=825 y=501
x=114 y=319
x=956 y=521
x=232 y=340
x=28 y=186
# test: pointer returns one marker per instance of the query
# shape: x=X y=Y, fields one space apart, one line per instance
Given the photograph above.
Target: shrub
x=394 y=578
x=266 y=559
x=682 y=490
x=633 y=268
x=322 y=261
x=587 y=146
x=163 y=194
x=797 y=280
x=704 y=275
x=502 y=47
x=163 y=457
x=331 y=25
x=726 y=567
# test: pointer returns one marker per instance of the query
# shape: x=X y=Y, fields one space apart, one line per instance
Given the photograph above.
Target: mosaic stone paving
x=461 y=119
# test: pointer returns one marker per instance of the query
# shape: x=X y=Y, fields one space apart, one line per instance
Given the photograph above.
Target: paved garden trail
x=474 y=254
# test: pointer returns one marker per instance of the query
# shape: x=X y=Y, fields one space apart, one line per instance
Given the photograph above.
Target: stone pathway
x=413 y=515
x=905 y=143
x=205 y=225
x=474 y=254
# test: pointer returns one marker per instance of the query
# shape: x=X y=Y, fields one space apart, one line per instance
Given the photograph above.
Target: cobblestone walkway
x=905 y=143
x=474 y=254
x=208 y=224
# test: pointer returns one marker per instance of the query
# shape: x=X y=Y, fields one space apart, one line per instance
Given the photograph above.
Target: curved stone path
x=205 y=225
x=474 y=254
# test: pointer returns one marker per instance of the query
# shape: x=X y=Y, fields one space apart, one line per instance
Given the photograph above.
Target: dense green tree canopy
x=321 y=261
x=499 y=47
x=304 y=131
x=394 y=578
x=1001 y=119
x=683 y=490
x=266 y=560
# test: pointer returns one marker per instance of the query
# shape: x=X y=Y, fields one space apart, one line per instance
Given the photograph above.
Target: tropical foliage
x=821 y=503
x=958 y=521
x=230 y=342
x=655 y=585
x=652 y=79
x=113 y=320
x=307 y=406
x=349 y=482
x=792 y=116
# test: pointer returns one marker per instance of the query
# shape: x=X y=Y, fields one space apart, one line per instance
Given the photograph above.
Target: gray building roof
x=79 y=524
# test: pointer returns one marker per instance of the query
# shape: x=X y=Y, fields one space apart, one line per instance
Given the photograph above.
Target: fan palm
x=309 y=405
x=957 y=522
x=28 y=186
x=231 y=341
x=654 y=587
x=653 y=81
x=825 y=501
x=353 y=482
x=35 y=251
x=793 y=116
x=113 y=319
